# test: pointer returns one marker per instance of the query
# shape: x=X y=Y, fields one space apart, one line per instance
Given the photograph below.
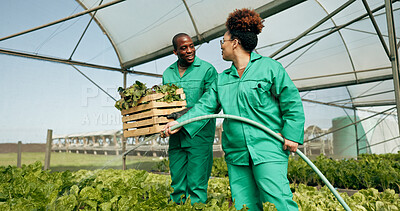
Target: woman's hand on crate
x=167 y=129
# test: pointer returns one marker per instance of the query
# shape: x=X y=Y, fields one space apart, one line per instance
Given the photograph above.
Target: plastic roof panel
x=142 y=27
x=351 y=55
x=377 y=92
x=133 y=28
x=141 y=31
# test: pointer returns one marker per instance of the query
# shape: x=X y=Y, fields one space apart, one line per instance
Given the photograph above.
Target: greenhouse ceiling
x=321 y=43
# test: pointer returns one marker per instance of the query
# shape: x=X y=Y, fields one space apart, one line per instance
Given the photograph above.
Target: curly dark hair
x=244 y=25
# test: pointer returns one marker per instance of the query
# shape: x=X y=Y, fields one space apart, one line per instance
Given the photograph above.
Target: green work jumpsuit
x=190 y=157
x=257 y=163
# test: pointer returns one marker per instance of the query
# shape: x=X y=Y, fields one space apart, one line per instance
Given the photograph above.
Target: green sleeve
x=290 y=105
x=209 y=78
x=165 y=76
x=208 y=104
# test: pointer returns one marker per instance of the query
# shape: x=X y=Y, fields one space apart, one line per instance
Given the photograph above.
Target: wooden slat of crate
x=153 y=104
x=151 y=115
x=151 y=97
x=146 y=122
x=143 y=131
x=157 y=96
x=153 y=112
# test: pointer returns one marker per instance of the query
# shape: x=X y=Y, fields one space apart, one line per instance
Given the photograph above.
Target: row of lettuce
x=368 y=171
x=31 y=188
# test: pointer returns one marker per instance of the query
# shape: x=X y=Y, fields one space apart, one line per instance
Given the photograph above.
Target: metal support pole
x=124 y=162
x=124 y=82
x=394 y=58
x=356 y=130
x=123 y=139
x=19 y=154
x=48 y=149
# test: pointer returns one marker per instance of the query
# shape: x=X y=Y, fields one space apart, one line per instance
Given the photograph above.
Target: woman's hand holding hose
x=167 y=129
x=289 y=145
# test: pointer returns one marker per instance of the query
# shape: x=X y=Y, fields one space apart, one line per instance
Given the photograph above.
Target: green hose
x=269 y=131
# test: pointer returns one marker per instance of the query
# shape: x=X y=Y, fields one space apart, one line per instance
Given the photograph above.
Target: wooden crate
x=149 y=116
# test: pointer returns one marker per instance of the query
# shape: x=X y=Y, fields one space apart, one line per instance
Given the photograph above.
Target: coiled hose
x=269 y=131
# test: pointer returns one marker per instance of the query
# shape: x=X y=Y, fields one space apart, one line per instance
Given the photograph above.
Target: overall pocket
x=259 y=93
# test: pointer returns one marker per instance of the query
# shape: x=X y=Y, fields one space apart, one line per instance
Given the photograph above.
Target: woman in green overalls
x=257 y=88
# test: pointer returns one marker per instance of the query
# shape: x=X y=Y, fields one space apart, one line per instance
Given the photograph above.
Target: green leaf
x=380 y=206
x=74 y=190
x=106 y=206
x=90 y=193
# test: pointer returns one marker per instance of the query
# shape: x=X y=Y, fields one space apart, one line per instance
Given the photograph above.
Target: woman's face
x=226 y=47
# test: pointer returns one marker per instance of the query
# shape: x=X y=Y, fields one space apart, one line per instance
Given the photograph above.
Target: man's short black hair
x=176 y=37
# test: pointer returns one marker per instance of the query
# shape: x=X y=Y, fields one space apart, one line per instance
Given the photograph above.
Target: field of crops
x=368 y=171
x=74 y=162
x=31 y=188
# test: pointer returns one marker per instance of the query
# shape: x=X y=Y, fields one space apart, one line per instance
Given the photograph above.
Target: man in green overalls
x=257 y=88
x=190 y=156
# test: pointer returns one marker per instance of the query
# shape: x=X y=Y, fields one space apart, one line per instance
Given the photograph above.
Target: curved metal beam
x=113 y=44
x=71 y=62
x=346 y=83
x=343 y=73
x=199 y=38
x=62 y=20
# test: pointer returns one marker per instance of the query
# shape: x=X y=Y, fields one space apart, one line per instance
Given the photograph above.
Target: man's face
x=185 y=51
